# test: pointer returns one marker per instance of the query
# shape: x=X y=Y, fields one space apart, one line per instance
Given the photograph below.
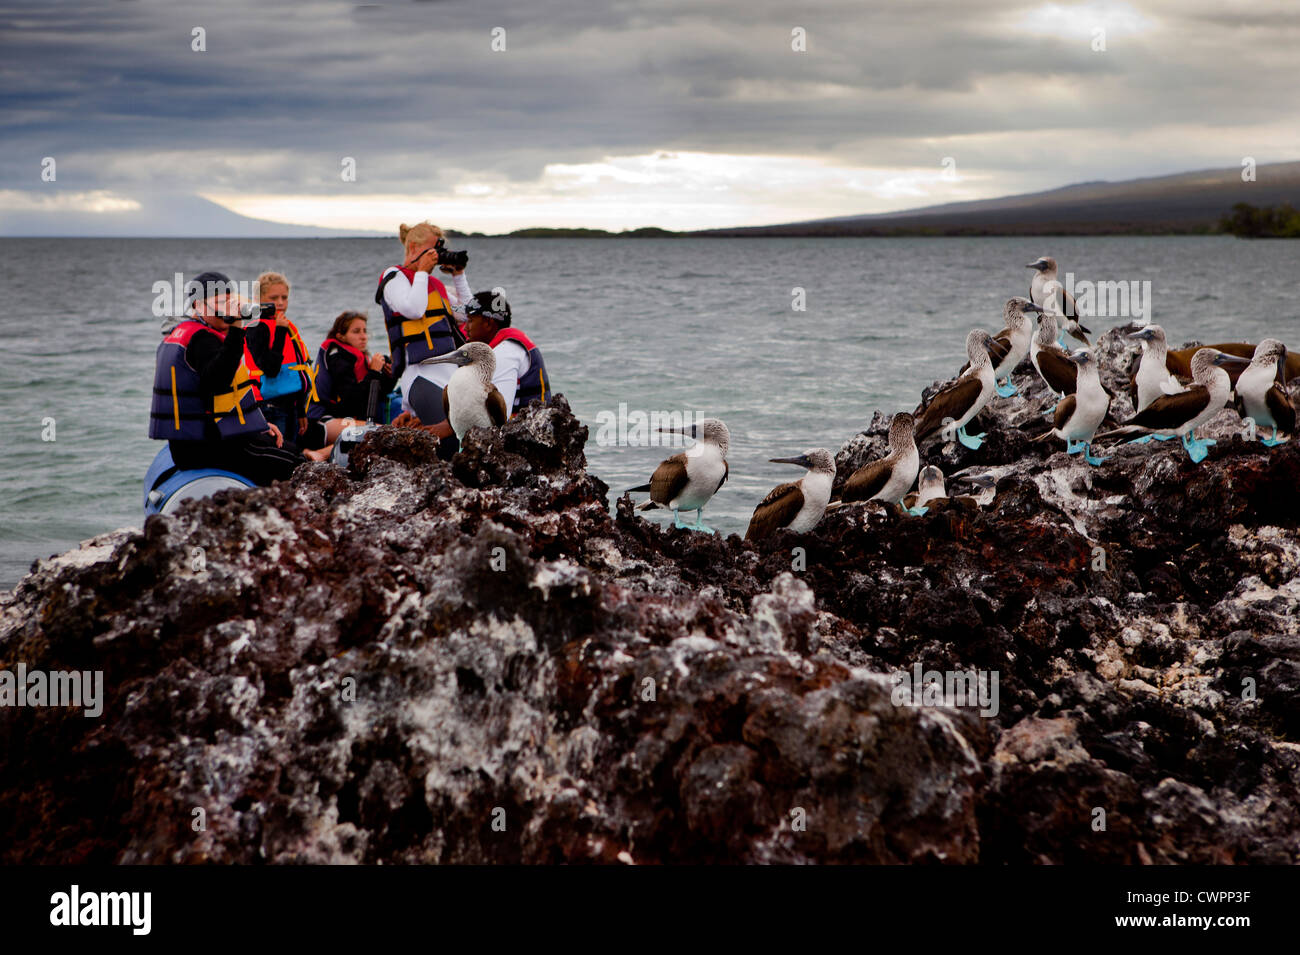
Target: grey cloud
x=413 y=90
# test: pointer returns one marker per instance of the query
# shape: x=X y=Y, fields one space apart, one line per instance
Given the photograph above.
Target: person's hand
x=452 y=271
x=302 y=425
x=378 y=361
x=275 y=433
x=415 y=262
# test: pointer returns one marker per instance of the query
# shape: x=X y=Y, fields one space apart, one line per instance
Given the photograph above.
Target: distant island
x=1251 y=222
x=648 y=232
x=1190 y=203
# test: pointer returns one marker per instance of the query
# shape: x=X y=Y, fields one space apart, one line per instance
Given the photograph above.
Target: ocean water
x=704 y=326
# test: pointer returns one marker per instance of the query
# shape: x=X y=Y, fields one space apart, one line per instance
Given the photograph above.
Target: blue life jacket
x=533 y=384
x=433 y=334
x=324 y=401
x=179 y=409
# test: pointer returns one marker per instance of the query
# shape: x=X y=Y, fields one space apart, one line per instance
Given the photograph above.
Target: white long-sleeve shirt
x=512 y=364
x=411 y=298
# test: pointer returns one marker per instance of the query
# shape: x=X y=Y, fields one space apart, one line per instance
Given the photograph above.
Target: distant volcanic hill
x=1189 y=202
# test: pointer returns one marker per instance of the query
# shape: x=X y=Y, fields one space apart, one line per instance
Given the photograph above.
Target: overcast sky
x=678 y=114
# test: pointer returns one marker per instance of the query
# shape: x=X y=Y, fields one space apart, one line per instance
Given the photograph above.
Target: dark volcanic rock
x=474 y=661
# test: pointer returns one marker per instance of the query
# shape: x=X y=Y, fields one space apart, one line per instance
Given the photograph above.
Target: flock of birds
x=1173 y=393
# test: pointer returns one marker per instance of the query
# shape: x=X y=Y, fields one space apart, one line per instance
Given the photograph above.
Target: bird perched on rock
x=1180 y=362
x=929 y=487
x=1181 y=414
x=1260 y=395
x=1051 y=361
x=1046 y=291
x=1152 y=378
x=1079 y=415
x=892 y=476
x=470 y=400
x=798 y=505
x=688 y=480
x=1010 y=346
x=957 y=403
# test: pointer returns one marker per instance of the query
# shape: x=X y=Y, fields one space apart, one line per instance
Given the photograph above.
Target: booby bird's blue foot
x=1051 y=411
x=1163 y=437
x=1074 y=447
x=1087 y=456
x=1272 y=442
x=699 y=525
x=1007 y=390
x=1146 y=439
x=972 y=441
x=915 y=511
x=1197 y=449
x=1060 y=339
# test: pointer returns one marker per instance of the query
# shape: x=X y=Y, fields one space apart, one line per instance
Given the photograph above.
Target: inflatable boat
x=166 y=486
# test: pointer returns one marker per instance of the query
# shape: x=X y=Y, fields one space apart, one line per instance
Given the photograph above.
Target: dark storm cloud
x=414 y=92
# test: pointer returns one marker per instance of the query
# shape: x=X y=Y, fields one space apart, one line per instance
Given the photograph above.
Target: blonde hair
x=420 y=234
x=268 y=279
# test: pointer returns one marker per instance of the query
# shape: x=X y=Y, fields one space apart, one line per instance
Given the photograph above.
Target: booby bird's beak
x=1031 y=307
x=1080 y=356
x=1223 y=358
x=457 y=357
x=979 y=480
x=1144 y=333
x=801 y=460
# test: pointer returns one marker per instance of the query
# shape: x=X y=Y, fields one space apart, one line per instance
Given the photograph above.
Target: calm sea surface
x=699 y=325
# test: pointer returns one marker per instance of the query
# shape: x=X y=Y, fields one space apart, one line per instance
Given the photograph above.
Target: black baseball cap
x=490 y=304
x=206 y=284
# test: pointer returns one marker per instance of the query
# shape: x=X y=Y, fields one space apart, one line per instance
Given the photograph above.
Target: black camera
x=456 y=260
x=259 y=311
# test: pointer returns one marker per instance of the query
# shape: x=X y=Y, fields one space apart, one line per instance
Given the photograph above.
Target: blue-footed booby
x=1181 y=414
x=470 y=399
x=1051 y=361
x=1179 y=362
x=957 y=403
x=1009 y=347
x=688 y=480
x=798 y=505
x=1261 y=397
x=1153 y=377
x=1079 y=415
x=929 y=487
x=891 y=477
x=1045 y=290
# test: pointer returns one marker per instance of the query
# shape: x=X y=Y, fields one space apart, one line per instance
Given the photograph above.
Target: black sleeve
x=216 y=361
x=267 y=354
x=353 y=395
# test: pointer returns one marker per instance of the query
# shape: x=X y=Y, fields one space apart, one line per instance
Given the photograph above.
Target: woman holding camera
x=423 y=321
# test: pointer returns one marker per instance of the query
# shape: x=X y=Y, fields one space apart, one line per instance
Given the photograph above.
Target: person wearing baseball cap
x=205 y=405
x=521 y=372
